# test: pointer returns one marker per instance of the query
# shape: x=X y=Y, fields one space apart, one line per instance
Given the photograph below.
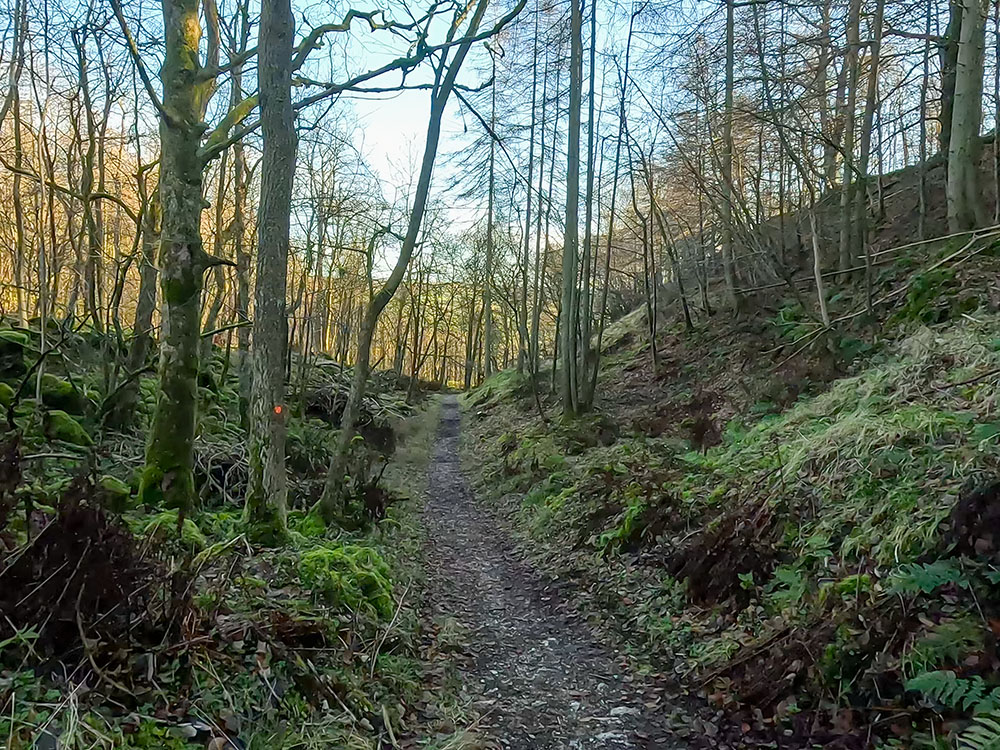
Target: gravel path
x=539 y=676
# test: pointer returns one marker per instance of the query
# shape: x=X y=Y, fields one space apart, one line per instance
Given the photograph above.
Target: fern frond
x=915 y=578
x=975 y=688
x=984 y=734
x=989 y=704
x=943 y=686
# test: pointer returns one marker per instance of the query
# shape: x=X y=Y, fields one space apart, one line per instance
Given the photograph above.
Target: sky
x=392 y=127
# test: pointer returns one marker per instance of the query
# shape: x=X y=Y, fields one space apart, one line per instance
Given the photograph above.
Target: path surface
x=540 y=677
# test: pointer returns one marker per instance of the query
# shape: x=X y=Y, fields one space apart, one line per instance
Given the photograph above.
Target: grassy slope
x=800 y=538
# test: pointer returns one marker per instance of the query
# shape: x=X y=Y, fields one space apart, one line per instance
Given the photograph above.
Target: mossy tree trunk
x=168 y=478
x=266 y=494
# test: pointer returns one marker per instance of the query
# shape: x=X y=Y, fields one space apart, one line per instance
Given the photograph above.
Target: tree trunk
x=218 y=274
x=948 y=51
x=488 y=281
x=168 y=478
x=847 y=187
x=444 y=84
x=123 y=410
x=728 y=262
x=568 y=305
x=267 y=488
x=965 y=204
x=861 y=193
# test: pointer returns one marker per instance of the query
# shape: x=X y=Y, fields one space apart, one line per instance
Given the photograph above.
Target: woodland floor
x=536 y=673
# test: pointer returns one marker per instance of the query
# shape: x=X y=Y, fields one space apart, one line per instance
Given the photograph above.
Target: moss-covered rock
x=350 y=576
x=58 y=425
x=13 y=345
x=164 y=526
x=113 y=493
x=58 y=393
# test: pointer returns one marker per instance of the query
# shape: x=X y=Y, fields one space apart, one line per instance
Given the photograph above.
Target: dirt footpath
x=538 y=675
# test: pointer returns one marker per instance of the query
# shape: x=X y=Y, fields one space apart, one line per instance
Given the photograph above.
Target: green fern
x=915 y=578
x=944 y=644
x=984 y=734
x=945 y=687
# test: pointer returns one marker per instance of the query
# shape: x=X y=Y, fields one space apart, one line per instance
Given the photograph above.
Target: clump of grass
x=875 y=462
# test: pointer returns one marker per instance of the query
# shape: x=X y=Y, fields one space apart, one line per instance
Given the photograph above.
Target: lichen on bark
x=168 y=477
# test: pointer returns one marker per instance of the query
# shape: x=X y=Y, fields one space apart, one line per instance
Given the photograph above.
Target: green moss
x=351 y=576
x=60 y=394
x=164 y=526
x=10 y=337
x=58 y=425
x=153 y=481
x=268 y=527
x=309 y=525
x=506 y=385
x=221 y=524
x=150 y=486
x=114 y=493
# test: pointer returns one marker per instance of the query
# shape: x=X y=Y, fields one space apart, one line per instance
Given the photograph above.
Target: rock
x=60 y=394
x=624 y=711
x=12 y=347
x=113 y=493
x=59 y=425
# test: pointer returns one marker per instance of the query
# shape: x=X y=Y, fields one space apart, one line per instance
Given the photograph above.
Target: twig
x=223 y=329
x=89 y=652
x=68 y=456
x=746 y=655
x=388 y=726
x=970 y=381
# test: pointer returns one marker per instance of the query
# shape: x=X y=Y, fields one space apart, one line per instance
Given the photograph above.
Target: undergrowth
x=128 y=626
x=836 y=552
